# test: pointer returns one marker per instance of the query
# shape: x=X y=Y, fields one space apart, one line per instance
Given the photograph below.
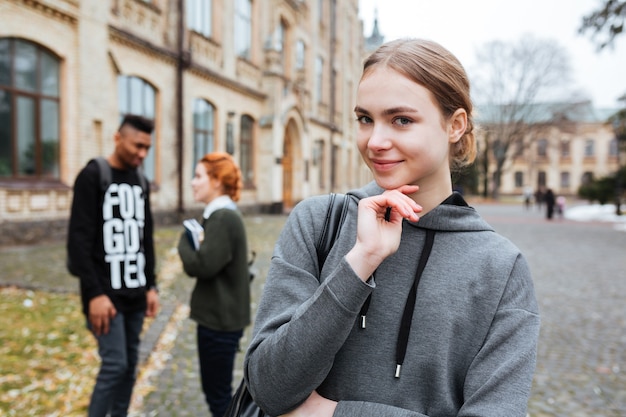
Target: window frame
x=45 y=160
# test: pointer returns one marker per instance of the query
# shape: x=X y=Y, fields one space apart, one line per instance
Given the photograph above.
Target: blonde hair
x=435 y=68
x=222 y=166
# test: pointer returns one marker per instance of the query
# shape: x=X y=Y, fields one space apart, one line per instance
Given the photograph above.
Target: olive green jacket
x=221 y=297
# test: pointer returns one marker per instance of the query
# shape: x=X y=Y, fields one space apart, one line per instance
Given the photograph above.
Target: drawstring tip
x=398 y=366
x=363 y=321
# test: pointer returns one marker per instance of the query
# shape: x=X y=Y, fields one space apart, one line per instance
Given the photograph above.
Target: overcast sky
x=463 y=26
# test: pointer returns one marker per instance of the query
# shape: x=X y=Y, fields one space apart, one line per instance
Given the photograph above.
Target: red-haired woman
x=220 y=301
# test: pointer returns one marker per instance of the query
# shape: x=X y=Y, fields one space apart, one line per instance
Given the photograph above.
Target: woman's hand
x=314 y=406
x=379 y=228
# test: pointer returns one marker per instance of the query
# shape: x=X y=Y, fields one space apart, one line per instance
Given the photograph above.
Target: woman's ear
x=457 y=125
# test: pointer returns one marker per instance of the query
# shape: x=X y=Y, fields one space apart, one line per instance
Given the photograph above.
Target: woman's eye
x=363 y=119
x=402 y=121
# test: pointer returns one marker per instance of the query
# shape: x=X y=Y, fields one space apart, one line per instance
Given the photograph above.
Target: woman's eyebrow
x=387 y=112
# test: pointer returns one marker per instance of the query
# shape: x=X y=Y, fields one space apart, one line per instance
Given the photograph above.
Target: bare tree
x=512 y=84
x=608 y=21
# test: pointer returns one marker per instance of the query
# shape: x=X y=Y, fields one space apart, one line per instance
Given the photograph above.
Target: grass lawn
x=48 y=359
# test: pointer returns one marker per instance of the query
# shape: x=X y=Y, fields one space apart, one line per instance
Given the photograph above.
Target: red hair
x=222 y=166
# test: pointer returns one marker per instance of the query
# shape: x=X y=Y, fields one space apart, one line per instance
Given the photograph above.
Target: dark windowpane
x=245 y=144
x=6 y=152
x=49 y=75
x=49 y=132
x=25 y=66
x=5 y=62
x=26 y=150
x=203 y=120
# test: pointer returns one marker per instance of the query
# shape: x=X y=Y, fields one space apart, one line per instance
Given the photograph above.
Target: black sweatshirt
x=110 y=240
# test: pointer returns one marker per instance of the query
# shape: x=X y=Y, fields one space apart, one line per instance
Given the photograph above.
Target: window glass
x=300 y=54
x=199 y=16
x=136 y=96
x=589 y=147
x=26 y=151
x=542 y=147
x=203 y=128
x=49 y=75
x=25 y=66
x=49 y=133
x=243 y=28
x=5 y=62
x=29 y=110
x=6 y=152
x=613 y=147
x=246 y=151
x=319 y=77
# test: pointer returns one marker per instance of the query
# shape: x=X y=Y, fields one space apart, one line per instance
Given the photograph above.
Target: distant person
x=528 y=196
x=110 y=245
x=550 y=200
x=420 y=308
x=539 y=197
x=220 y=301
x=560 y=205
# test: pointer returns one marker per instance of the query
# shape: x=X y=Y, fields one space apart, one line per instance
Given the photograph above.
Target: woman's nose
x=379 y=138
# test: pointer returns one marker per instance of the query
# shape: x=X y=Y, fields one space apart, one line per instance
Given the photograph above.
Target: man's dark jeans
x=119 y=353
x=216 y=353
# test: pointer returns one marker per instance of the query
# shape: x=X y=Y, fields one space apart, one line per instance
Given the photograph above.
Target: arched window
x=203 y=129
x=136 y=96
x=246 y=151
x=29 y=111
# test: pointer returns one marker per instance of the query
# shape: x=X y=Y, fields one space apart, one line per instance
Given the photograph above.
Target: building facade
x=272 y=82
x=562 y=151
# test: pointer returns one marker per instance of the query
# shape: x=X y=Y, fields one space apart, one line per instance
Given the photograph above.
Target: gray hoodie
x=472 y=345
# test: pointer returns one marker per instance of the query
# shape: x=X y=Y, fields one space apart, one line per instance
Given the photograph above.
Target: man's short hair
x=140 y=123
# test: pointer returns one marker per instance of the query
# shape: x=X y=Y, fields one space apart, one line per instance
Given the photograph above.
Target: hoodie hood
x=452 y=215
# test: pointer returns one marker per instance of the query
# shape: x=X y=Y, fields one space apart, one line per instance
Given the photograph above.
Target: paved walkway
x=579 y=272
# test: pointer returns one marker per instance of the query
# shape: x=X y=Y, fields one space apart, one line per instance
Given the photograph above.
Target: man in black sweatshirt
x=110 y=247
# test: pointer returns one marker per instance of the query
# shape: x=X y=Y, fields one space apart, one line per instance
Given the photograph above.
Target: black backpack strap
x=335 y=216
x=105 y=172
x=106 y=176
x=143 y=181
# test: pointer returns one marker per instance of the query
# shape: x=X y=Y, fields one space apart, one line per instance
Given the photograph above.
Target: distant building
x=271 y=82
x=569 y=144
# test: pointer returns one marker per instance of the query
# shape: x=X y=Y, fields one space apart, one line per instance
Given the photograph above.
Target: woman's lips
x=384 y=165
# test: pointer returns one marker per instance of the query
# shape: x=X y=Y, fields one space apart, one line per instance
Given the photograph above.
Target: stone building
x=271 y=82
x=568 y=144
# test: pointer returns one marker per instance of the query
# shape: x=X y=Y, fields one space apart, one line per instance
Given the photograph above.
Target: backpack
x=106 y=177
x=242 y=403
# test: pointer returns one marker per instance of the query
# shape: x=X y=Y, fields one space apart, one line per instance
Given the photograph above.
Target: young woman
x=420 y=309
x=220 y=301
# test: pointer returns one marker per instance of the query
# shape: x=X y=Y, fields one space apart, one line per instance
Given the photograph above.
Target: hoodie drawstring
x=409 y=306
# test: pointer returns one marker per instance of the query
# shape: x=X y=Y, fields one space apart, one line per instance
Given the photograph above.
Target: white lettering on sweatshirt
x=122 y=235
